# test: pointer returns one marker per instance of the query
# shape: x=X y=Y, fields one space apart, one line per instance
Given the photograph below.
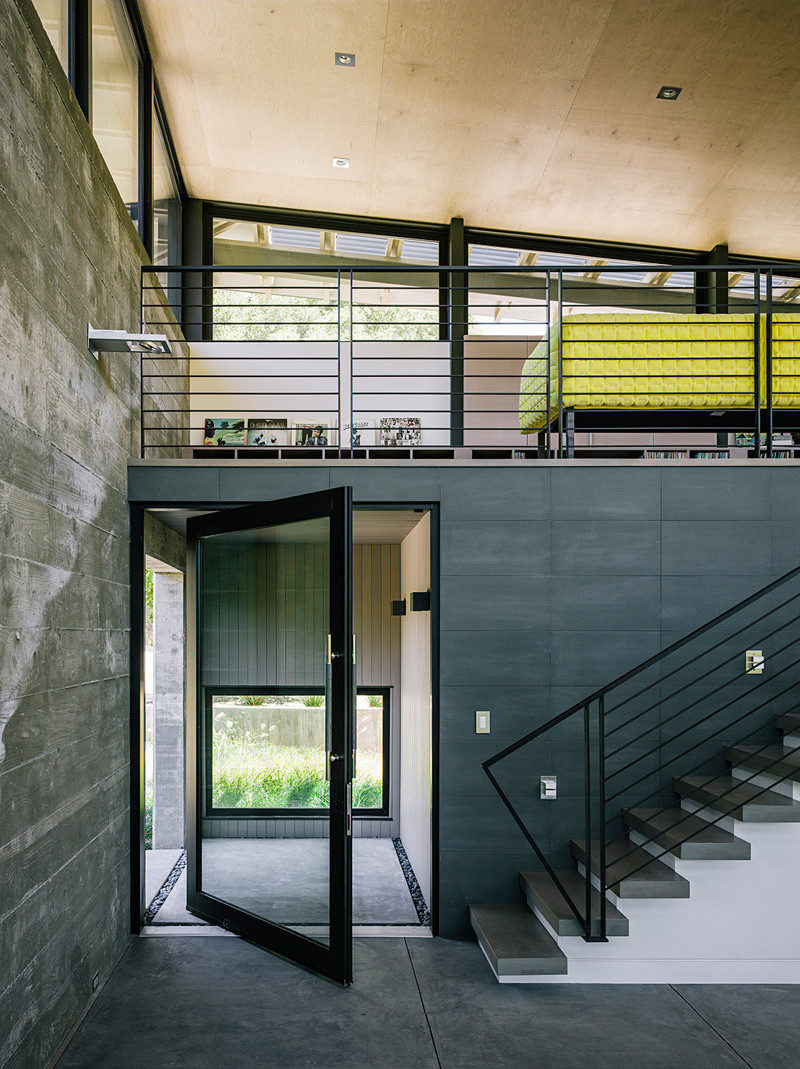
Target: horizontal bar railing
x=487 y=359
x=687 y=742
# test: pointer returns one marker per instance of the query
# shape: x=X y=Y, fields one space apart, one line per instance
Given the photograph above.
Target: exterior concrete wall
x=554 y=578
x=68 y=424
x=168 y=711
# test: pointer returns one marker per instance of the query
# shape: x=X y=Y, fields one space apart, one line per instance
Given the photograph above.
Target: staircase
x=655 y=890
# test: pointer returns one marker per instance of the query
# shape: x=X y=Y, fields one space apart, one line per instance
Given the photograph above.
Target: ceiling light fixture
x=668 y=92
x=341 y=161
x=344 y=59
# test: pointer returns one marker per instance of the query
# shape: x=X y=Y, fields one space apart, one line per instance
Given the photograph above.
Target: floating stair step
x=668 y=828
x=542 y=894
x=789 y=723
x=631 y=872
x=515 y=942
x=777 y=761
x=744 y=801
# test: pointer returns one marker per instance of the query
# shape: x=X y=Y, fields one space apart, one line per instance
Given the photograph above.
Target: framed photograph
x=228 y=430
x=268 y=430
x=312 y=433
x=401 y=430
x=359 y=433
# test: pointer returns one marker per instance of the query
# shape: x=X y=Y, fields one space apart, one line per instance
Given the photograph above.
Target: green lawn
x=251 y=773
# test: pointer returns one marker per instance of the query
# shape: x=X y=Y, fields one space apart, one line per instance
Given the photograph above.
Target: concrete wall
x=555 y=578
x=68 y=425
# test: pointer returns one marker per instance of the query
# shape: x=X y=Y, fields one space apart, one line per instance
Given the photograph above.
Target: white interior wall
x=416 y=711
x=312 y=380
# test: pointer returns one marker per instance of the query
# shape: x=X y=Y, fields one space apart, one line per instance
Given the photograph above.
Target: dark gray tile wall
x=554 y=580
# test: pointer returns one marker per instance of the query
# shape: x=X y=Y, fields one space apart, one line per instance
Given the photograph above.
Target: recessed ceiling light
x=341 y=161
x=344 y=59
x=668 y=92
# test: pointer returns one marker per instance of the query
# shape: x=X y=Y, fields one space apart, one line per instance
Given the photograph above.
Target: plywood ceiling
x=516 y=114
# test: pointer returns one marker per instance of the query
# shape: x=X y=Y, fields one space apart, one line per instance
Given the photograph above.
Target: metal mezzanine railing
x=500 y=361
x=672 y=717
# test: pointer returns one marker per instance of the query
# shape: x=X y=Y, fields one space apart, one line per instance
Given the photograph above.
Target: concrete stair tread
x=744 y=801
x=777 y=761
x=789 y=723
x=667 y=828
x=542 y=894
x=632 y=872
x=515 y=942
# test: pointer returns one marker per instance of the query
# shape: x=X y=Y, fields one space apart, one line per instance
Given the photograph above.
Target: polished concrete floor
x=287 y=881
x=205 y=1001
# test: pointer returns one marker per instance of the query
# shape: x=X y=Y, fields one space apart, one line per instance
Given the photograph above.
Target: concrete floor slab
x=174 y=910
x=287 y=880
x=477 y=1022
x=157 y=866
x=760 y=1022
x=222 y=1002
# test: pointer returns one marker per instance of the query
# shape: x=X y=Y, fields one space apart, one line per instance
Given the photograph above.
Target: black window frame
x=150 y=109
x=210 y=812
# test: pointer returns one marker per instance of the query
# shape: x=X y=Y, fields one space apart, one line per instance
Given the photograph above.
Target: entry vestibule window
x=266 y=752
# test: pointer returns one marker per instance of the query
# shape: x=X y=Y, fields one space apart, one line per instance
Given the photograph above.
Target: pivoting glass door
x=269 y=756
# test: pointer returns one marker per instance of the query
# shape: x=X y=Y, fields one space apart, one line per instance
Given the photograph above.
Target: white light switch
x=482 y=722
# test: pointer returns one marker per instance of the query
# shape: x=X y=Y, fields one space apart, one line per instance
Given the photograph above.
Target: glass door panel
x=271 y=854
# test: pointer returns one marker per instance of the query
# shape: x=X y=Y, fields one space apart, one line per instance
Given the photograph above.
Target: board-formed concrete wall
x=555 y=578
x=69 y=255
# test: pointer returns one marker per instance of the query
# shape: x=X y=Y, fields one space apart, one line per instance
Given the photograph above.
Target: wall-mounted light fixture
x=421 y=601
x=122 y=341
x=399 y=608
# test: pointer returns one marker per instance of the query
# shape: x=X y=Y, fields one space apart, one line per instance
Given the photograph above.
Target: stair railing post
x=587 y=772
x=601 y=805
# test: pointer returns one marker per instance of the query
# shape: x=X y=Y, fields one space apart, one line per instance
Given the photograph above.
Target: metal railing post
x=339 y=359
x=587 y=773
x=559 y=358
x=547 y=361
x=757 y=357
x=768 y=358
x=601 y=805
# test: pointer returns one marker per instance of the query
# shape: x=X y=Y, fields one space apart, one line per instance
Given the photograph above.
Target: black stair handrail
x=594 y=745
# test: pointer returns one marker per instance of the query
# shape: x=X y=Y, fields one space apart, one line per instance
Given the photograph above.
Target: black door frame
x=137 y=510
x=334 y=959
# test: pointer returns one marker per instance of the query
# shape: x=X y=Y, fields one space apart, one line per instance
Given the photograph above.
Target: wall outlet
x=482 y=722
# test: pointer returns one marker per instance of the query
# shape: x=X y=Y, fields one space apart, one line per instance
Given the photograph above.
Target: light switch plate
x=754 y=662
x=482 y=722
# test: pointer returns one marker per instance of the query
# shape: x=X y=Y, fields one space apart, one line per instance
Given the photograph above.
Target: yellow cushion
x=625 y=360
